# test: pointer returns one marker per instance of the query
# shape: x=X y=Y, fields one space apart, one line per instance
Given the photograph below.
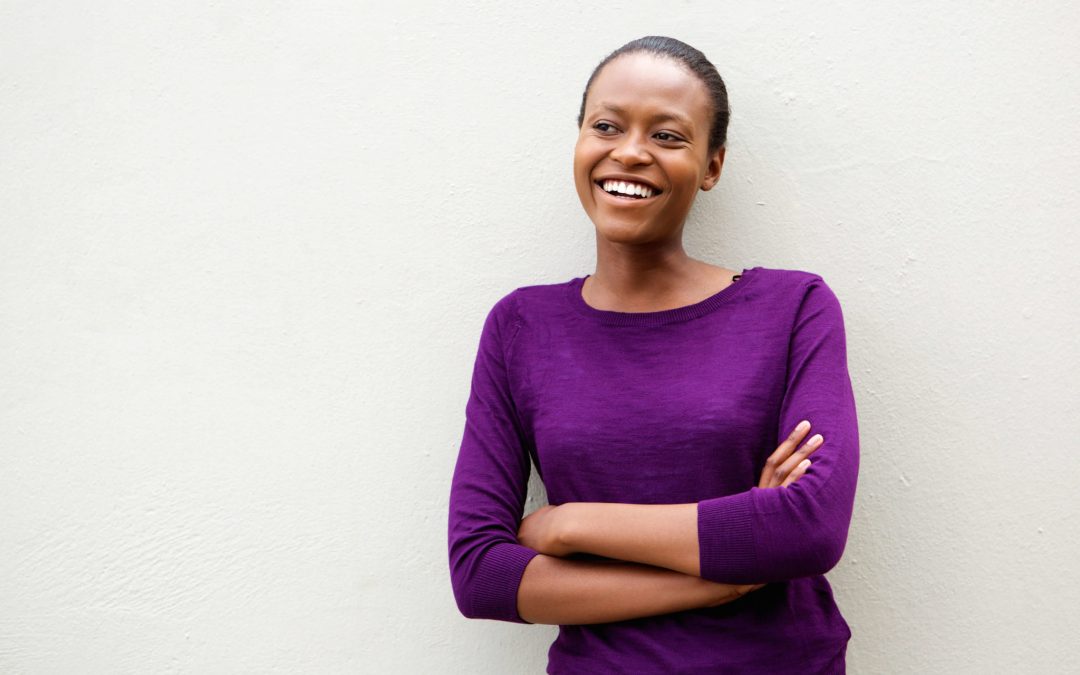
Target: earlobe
x=712 y=173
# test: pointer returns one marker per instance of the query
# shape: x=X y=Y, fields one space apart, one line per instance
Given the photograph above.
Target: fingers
x=770 y=476
x=796 y=473
x=797 y=458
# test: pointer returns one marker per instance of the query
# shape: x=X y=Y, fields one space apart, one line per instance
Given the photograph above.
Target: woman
x=666 y=403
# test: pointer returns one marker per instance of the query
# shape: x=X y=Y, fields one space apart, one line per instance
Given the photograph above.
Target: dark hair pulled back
x=694 y=61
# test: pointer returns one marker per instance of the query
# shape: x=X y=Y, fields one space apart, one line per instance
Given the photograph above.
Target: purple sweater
x=668 y=407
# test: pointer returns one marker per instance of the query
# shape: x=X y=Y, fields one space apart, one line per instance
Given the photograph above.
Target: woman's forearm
x=563 y=591
x=661 y=535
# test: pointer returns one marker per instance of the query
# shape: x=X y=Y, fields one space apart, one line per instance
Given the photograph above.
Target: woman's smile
x=627 y=192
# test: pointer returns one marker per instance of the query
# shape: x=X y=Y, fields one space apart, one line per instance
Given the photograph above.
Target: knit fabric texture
x=668 y=407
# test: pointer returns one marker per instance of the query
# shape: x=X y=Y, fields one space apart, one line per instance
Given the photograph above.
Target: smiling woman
x=667 y=404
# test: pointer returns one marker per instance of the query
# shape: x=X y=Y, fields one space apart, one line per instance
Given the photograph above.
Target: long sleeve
x=490 y=481
x=776 y=534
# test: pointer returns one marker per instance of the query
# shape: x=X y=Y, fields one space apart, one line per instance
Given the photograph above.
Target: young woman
x=667 y=405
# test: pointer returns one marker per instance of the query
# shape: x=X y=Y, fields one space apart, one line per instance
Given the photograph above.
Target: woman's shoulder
x=801 y=291
x=513 y=305
x=796 y=277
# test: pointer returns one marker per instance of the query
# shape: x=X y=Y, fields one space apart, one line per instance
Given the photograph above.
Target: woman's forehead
x=642 y=83
x=632 y=78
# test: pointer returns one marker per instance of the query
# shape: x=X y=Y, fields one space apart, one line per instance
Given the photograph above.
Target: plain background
x=246 y=250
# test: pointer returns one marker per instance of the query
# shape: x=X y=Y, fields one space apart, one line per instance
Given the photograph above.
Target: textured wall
x=246 y=250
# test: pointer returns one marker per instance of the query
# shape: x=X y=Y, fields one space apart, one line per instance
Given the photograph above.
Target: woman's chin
x=627 y=231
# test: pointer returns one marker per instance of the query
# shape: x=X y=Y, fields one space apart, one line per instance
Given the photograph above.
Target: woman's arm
x=489 y=485
x=558 y=591
x=662 y=535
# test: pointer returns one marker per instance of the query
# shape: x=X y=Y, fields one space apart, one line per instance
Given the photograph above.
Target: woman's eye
x=604 y=127
x=665 y=136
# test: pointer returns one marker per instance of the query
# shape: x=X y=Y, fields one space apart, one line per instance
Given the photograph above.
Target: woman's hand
x=786 y=465
x=726 y=593
x=783 y=467
x=540 y=531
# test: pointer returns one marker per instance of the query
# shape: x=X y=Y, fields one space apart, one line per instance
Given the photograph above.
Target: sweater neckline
x=664 y=316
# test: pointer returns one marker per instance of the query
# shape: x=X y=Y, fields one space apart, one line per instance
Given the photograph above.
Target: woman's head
x=650 y=136
x=691 y=59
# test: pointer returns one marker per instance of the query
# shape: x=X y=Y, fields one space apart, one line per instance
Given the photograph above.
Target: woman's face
x=645 y=131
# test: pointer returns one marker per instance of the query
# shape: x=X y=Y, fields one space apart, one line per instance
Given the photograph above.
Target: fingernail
x=805 y=463
x=803 y=426
x=816 y=438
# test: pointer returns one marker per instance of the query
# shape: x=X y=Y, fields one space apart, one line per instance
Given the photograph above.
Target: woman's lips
x=621 y=199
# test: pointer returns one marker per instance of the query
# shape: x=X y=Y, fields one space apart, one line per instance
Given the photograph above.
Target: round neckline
x=663 y=316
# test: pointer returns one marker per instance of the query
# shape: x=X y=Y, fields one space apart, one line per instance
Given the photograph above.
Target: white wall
x=246 y=250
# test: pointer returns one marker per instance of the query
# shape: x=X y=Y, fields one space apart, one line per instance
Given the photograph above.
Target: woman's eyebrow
x=658 y=117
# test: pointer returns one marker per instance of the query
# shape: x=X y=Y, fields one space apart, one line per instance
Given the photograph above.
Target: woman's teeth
x=626 y=188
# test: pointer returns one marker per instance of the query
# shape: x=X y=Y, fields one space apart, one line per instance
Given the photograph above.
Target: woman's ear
x=712 y=171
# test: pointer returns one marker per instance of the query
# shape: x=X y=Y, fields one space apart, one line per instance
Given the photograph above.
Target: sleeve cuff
x=726 y=539
x=498 y=580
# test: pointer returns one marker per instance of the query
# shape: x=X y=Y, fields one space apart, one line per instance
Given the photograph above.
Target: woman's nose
x=630 y=150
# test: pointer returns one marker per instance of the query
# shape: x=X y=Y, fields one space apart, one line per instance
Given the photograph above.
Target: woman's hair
x=694 y=61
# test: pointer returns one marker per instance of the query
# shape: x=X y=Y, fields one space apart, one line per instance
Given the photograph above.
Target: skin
x=647 y=119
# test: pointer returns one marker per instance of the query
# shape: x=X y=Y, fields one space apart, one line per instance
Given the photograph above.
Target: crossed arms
x=660 y=543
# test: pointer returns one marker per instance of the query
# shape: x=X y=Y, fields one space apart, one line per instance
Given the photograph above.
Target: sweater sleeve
x=776 y=534
x=488 y=490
